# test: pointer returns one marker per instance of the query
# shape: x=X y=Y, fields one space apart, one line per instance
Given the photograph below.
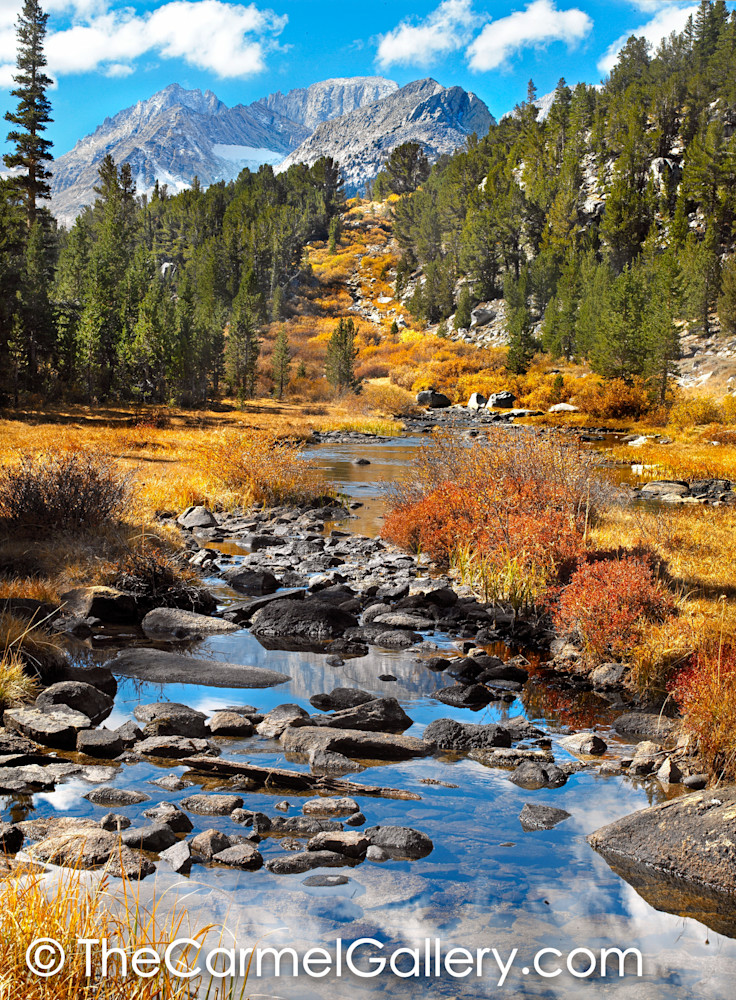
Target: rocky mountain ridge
x=310 y=106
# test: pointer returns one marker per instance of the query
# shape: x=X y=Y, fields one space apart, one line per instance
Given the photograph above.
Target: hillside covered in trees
x=607 y=227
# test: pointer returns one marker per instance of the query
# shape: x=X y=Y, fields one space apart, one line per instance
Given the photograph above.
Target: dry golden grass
x=16 y=686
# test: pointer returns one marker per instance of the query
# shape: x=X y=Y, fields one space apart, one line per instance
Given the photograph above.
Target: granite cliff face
x=172 y=137
x=438 y=118
x=329 y=98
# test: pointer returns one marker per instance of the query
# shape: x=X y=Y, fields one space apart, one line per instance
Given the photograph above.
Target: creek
x=486 y=884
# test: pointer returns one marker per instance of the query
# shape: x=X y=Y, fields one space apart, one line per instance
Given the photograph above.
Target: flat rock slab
x=644 y=725
x=378 y=715
x=53 y=726
x=184 y=624
x=161 y=667
x=304 y=861
x=212 y=805
x=116 y=797
x=91 y=849
x=448 y=734
x=354 y=743
x=539 y=817
x=174 y=747
x=245 y=856
x=690 y=837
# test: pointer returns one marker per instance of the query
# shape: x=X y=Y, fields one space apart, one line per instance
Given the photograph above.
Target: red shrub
x=706 y=695
x=607 y=603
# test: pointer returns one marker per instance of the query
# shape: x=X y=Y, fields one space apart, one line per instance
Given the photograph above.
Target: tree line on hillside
x=603 y=226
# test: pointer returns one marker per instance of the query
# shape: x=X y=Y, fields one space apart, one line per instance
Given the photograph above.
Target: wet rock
x=665 y=487
x=669 y=773
x=174 y=747
x=349 y=843
x=539 y=817
x=283 y=806
x=172 y=783
x=258 y=542
x=11 y=838
x=240 y=613
x=327 y=762
x=299 y=825
x=402 y=620
x=161 y=667
x=130 y=864
x=116 y=797
x=436 y=663
x=644 y=724
x=178 y=857
x=155 y=838
x=340 y=698
x=184 y=624
x=167 y=814
x=83 y=848
x=649 y=757
x=197 y=517
x=356 y=819
x=532 y=774
x=212 y=805
x=330 y=807
x=51 y=726
x=400 y=841
x=167 y=718
x=98 y=677
x=376 y=854
x=78 y=696
x=690 y=837
x=354 y=743
x=464 y=696
x=251 y=581
x=225 y=723
x=246 y=856
x=106 y=604
x=434 y=400
x=114 y=822
x=325 y=881
x=14 y=743
x=378 y=715
x=281 y=718
x=447 y=734
x=304 y=861
x=99 y=743
x=695 y=781
x=511 y=757
x=209 y=843
x=493 y=673
x=307 y=619
x=584 y=743
x=608 y=676
x=128 y=734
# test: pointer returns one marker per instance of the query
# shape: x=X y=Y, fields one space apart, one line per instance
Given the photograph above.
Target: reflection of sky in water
x=486 y=884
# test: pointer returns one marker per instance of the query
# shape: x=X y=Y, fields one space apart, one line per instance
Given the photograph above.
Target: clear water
x=487 y=884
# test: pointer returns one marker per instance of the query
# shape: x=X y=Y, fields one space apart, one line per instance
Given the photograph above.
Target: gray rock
x=80 y=697
x=400 y=841
x=669 y=773
x=644 y=725
x=169 y=718
x=501 y=400
x=246 y=856
x=330 y=807
x=226 y=723
x=587 y=744
x=131 y=864
x=116 y=797
x=447 y=734
x=197 y=517
x=178 y=857
x=354 y=743
x=695 y=781
x=531 y=774
x=690 y=837
x=174 y=747
x=464 y=695
x=304 y=861
x=167 y=814
x=155 y=838
x=212 y=805
x=104 y=603
x=209 y=843
x=251 y=581
x=114 y=822
x=357 y=819
x=327 y=762
x=340 y=698
x=55 y=726
x=348 y=842
x=378 y=715
x=649 y=757
x=172 y=782
x=281 y=718
x=11 y=838
x=665 y=487
x=376 y=854
x=306 y=619
x=99 y=677
x=184 y=624
x=539 y=817
x=434 y=400
x=161 y=667
x=99 y=743
x=129 y=734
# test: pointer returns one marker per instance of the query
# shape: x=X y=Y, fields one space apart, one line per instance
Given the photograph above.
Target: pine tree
x=522 y=345
x=464 y=306
x=242 y=350
x=701 y=270
x=334 y=234
x=727 y=298
x=33 y=113
x=341 y=355
x=281 y=363
x=406 y=168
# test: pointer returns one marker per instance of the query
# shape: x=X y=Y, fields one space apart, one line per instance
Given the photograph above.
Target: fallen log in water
x=279 y=777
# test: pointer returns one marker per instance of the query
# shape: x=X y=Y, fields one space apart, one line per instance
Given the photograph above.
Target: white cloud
x=538 y=24
x=228 y=39
x=445 y=30
x=669 y=16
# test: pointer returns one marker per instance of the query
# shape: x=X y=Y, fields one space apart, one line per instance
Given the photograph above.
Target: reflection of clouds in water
x=66 y=796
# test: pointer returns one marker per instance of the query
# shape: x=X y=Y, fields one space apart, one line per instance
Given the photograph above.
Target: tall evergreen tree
x=522 y=344
x=281 y=363
x=341 y=355
x=33 y=113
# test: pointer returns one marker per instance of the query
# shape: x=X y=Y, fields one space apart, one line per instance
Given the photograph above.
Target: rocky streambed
x=348 y=745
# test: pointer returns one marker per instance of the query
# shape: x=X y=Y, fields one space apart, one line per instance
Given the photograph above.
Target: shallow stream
x=487 y=883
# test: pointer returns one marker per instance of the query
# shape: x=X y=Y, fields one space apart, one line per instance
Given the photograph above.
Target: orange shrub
x=706 y=695
x=614 y=399
x=608 y=602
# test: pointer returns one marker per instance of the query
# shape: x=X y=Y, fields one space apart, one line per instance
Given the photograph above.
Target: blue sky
x=105 y=55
